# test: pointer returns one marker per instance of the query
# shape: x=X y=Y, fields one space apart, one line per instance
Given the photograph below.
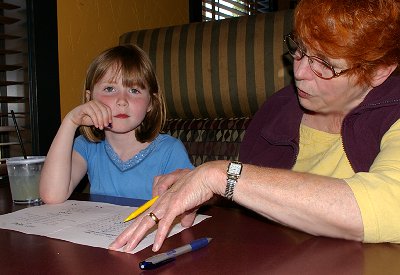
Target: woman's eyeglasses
x=319 y=66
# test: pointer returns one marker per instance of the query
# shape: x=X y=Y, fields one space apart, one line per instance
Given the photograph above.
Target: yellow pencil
x=141 y=209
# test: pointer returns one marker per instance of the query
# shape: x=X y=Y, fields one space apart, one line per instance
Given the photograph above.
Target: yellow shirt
x=377 y=192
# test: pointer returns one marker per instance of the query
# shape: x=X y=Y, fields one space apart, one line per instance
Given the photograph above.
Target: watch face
x=235 y=168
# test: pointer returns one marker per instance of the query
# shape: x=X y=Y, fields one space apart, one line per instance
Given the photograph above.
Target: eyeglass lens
x=293 y=47
x=318 y=66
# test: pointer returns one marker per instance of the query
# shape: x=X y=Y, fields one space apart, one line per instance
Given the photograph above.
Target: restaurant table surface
x=243 y=243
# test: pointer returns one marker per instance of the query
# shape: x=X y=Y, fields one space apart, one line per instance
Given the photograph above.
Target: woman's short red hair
x=365 y=33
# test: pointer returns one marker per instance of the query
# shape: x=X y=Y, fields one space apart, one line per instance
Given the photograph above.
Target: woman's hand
x=91 y=113
x=164 y=182
x=187 y=190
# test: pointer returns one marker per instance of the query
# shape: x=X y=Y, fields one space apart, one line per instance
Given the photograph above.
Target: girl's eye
x=109 y=89
x=134 y=91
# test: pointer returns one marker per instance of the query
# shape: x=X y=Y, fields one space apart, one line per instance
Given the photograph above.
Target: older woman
x=323 y=155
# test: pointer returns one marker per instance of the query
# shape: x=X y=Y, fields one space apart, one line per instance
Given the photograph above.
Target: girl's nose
x=122 y=101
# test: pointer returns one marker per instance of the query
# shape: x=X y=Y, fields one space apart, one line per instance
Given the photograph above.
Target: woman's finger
x=163 y=183
x=131 y=236
x=188 y=218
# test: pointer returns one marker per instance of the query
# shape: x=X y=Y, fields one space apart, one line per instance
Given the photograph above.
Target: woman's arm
x=315 y=204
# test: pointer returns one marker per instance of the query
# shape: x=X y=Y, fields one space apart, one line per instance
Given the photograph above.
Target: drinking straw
x=19 y=134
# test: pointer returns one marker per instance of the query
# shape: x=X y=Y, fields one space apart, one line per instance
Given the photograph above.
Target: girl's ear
x=382 y=74
x=153 y=100
x=150 y=107
x=88 y=95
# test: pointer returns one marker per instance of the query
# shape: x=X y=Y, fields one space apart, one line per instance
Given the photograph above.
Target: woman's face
x=337 y=96
x=129 y=105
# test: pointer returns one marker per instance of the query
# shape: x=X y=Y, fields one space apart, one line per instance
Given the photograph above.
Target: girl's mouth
x=121 y=116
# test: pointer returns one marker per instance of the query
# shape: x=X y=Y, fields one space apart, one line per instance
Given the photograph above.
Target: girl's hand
x=91 y=113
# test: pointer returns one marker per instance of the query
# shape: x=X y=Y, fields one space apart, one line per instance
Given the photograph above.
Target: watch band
x=230 y=186
x=233 y=174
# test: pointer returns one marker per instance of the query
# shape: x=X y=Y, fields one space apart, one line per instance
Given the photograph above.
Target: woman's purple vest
x=272 y=138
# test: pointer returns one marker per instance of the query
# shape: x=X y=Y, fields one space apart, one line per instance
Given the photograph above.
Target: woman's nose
x=302 y=69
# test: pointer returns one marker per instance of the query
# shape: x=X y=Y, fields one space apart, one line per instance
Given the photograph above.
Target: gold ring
x=154 y=217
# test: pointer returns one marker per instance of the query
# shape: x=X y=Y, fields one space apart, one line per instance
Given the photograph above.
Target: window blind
x=221 y=9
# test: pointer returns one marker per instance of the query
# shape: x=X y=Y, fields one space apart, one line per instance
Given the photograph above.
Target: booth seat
x=215 y=76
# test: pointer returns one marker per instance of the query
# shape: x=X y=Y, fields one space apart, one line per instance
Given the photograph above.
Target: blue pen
x=166 y=257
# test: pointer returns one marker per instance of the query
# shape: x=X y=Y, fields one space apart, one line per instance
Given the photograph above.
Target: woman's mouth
x=121 y=116
x=302 y=94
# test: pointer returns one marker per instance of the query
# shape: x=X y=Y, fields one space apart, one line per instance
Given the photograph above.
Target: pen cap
x=149 y=265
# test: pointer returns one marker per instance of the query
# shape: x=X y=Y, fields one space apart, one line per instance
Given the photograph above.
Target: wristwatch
x=233 y=174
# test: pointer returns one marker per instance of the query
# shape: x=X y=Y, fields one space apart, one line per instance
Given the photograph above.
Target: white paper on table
x=83 y=222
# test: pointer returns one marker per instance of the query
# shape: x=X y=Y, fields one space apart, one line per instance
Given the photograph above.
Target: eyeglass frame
x=311 y=58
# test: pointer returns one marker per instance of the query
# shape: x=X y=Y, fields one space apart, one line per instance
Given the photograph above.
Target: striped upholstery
x=218 y=69
x=215 y=76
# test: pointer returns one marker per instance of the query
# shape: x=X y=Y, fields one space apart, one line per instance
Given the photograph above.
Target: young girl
x=120 y=148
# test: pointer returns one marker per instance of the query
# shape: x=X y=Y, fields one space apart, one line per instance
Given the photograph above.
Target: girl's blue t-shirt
x=108 y=175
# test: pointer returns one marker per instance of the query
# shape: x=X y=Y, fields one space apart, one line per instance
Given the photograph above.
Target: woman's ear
x=88 y=95
x=381 y=74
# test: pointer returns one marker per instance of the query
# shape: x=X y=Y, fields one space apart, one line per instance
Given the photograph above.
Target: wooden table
x=243 y=243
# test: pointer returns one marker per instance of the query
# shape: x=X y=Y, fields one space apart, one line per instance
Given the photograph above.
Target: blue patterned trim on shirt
x=123 y=166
